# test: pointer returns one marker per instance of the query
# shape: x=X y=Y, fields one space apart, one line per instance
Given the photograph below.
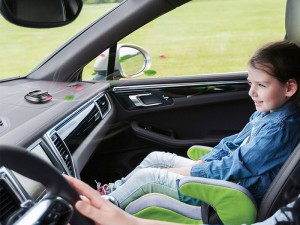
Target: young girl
x=252 y=157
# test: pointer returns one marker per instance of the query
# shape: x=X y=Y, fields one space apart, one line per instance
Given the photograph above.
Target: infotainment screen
x=35 y=189
x=39 y=151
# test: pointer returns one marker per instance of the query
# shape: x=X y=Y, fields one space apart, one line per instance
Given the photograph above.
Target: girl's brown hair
x=279 y=59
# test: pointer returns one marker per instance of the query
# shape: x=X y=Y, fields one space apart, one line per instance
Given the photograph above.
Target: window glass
x=206 y=36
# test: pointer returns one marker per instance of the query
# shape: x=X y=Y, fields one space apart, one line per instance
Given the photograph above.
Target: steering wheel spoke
x=57 y=207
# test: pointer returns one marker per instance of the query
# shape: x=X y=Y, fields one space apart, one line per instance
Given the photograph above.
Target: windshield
x=22 y=49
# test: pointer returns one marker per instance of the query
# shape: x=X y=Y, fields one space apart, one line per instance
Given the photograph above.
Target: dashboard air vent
x=9 y=202
x=104 y=105
x=64 y=153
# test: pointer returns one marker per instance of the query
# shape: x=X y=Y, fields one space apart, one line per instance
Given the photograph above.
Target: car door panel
x=189 y=113
x=188 y=122
x=186 y=113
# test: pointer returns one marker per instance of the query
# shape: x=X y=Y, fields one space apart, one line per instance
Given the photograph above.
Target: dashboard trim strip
x=57 y=127
x=122 y=89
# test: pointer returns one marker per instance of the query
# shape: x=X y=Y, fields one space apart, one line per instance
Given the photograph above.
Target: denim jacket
x=254 y=164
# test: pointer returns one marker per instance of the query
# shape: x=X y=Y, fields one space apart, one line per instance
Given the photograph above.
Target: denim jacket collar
x=286 y=110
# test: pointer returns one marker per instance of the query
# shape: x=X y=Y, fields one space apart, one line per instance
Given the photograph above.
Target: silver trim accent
x=138 y=102
x=12 y=183
x=121 y=89
x=108 y=102
x=39 y=211
x=57 y=155
x=65 y=122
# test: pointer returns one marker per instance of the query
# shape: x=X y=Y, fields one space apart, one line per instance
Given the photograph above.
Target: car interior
x=52 y=122
x=214 y=209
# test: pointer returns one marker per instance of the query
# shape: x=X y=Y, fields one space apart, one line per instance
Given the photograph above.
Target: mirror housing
x=40 y=13
x=131 y=61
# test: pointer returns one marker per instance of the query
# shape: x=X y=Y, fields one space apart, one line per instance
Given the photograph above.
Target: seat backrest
x=292 y=20
x=276 y=196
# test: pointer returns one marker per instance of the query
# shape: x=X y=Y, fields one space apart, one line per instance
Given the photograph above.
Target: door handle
x=145 y=100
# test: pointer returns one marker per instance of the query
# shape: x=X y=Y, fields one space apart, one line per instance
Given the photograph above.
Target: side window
x=200 y=37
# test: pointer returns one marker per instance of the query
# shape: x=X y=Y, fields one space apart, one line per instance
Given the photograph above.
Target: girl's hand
x=100 y=210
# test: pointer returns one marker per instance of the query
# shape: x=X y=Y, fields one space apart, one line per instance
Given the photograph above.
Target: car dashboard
x=60 y=131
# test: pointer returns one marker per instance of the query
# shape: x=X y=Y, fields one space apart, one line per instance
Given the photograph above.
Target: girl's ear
x=292 y=87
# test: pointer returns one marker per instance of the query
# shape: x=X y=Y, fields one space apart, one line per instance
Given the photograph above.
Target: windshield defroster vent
x=8 y=201
x=64 y=153
x=104 y=105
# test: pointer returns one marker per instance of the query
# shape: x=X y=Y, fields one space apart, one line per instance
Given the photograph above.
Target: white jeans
x=150 y=177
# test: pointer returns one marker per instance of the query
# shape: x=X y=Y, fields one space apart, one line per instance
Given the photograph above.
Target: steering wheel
x=22 y=161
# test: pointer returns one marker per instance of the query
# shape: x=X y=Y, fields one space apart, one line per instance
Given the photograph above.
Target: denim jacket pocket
x=229 y=148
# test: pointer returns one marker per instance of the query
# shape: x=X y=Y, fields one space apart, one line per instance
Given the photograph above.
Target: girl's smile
x=267 y=92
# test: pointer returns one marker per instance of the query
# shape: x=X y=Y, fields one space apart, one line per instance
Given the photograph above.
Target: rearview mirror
x=40 y=13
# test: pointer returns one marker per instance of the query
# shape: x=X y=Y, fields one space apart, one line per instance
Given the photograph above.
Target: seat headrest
x=292 y=20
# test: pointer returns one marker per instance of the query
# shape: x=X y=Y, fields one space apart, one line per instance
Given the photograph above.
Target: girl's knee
x=154 y=154
x=154 y=157
x=159 y=159
x=145 y=173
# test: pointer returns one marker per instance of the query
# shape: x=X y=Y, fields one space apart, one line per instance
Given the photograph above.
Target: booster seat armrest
x=155 y=202
x=197 y=151
x=224 y=196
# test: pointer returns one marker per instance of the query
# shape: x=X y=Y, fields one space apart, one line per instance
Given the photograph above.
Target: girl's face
x=266 y=91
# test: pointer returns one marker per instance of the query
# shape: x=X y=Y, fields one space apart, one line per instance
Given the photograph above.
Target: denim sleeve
x=265 y=150
x=218 y=152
